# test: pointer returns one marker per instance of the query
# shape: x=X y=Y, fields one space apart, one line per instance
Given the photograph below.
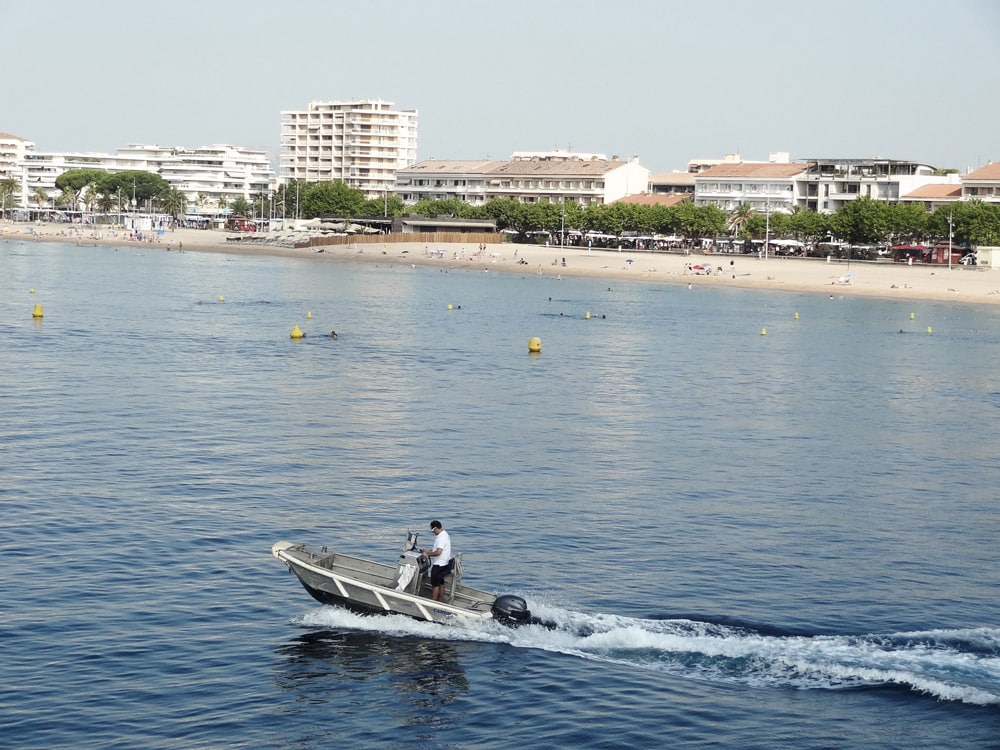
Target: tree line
x=863 y=221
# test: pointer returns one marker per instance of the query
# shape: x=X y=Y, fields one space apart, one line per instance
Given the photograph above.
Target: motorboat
x=404 y=588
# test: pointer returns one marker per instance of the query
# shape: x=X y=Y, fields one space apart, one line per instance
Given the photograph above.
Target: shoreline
x=886 y=280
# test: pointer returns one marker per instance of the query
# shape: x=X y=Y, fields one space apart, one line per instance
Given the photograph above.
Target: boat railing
x=454 y=577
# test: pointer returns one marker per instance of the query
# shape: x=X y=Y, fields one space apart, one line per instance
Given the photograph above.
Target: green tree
x=106 y=203
x=331 y=199
x=8 y=188
x=862 y=221
x=661 y=219
x=807 y=225
x=67 y=199
x=973 y=223
x=141 y=185
x=701 y=221
x=241 y=206
x=440 y=207
x=739 y=219
x=174 y=202
x=41 y=198
x=387 y=205
x=506 y=212
x=89 y=197
x=907 y=222
x=773 y=225
x=75 y=180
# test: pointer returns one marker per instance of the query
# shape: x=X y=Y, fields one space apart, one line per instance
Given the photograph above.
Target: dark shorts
x=438 y=572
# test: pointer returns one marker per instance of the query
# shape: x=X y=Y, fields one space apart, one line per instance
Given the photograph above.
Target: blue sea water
x=748 y=541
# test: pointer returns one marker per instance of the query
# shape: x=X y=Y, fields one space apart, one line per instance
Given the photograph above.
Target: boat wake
x=951 y=665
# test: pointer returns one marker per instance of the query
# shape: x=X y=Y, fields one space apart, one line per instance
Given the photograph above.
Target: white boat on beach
x=404 y=588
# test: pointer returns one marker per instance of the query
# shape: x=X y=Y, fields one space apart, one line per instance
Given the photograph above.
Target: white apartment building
x=982 y=184
x=830 y=184
x=437 y=179
x=528 y=177
x=767 y=188
x=362 y=143
x=822 y=185
x=12 y=151
x=209 y=176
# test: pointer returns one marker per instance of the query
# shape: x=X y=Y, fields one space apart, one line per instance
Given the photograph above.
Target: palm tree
x=89 y=198
x=174 y=202
x=67 y=199
x=241 y=206
x=41 y=198
x=8 y=186
x=739 y=217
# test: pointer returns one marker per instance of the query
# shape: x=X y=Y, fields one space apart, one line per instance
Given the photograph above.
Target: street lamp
x=951 y=234
x=562 y=231
x=767 y=224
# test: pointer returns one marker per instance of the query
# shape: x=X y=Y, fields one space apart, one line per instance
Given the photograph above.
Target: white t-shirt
x=443 y=542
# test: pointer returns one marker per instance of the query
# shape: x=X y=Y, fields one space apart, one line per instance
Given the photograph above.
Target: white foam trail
x=955 y=665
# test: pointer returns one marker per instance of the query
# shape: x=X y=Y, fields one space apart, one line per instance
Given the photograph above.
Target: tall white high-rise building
x=362 y=143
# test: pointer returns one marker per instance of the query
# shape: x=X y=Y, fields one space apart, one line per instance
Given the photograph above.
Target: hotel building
x=822 y=185
x=361 y=143
x=209 y=177
x=527 y=177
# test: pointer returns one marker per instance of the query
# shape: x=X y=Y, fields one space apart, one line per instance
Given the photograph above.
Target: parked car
x=968 y=260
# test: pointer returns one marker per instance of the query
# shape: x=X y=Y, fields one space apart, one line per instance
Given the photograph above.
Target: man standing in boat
x=441 y=562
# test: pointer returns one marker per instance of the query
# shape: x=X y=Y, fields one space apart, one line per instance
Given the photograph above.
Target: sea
x=756 y=519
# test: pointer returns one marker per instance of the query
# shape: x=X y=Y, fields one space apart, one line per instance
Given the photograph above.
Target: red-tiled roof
x=754 y=170
x=672 y=178
x=458 y=166
x=653 y=199
x=940 y=192
x=989 y=172
x=557 y=167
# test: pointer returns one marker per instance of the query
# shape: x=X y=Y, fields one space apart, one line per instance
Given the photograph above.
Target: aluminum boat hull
x=374 y=588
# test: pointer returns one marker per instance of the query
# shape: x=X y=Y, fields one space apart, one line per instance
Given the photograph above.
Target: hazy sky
x=668 y=81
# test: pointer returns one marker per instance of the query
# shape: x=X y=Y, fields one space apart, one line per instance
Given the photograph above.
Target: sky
x=664 y=80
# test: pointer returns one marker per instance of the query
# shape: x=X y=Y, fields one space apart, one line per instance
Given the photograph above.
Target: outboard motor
x=512 y=610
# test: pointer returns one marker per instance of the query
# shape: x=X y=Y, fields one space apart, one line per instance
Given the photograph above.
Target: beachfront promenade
x=975 y=285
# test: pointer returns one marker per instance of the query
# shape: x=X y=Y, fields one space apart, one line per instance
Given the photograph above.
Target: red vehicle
x=243 y=224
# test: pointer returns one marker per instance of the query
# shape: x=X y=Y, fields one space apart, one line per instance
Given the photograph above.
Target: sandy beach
x=962 y=284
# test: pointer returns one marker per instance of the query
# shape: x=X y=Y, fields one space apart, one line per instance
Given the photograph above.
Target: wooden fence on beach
x=427 y=238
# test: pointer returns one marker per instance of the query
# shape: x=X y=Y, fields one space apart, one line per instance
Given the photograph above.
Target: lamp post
x=562 y=230
x=767 y=224
x=951 y=234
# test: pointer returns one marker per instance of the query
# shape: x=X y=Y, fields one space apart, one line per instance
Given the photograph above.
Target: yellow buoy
x=297 y=333
x=534 y=345
x=763 y=331
x=587 y=316
x=796 y=316
x=930 y=330
x=37 y=312
x=912 y=316
x=450 y=307
x=221 y=298
x=31 y=291
x=309 y=314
